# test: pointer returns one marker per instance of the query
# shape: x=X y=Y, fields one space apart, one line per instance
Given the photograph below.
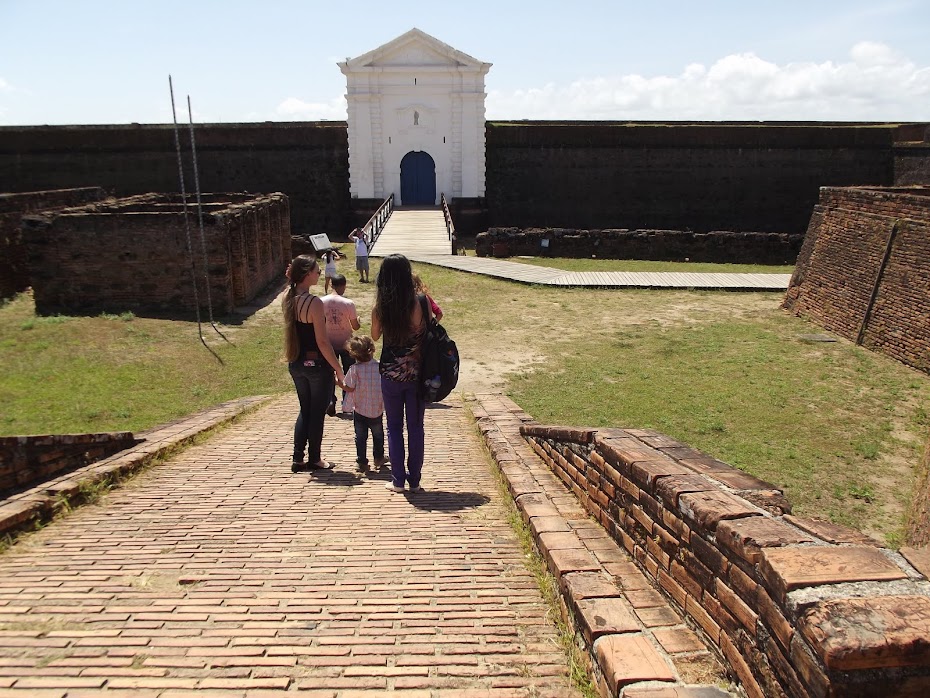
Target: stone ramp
x=412 y=232
x=222 y=573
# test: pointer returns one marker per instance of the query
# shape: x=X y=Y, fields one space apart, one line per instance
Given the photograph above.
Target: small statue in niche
x=416 y=118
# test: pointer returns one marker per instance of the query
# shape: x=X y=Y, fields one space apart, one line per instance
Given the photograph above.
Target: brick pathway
x=222 y=573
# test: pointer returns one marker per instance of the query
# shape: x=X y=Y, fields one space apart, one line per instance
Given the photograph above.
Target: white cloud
x=4 y=85
x=875 y=84
x=293 y=109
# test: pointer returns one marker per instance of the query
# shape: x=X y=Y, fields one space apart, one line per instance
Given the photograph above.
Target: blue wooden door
x=417 y=179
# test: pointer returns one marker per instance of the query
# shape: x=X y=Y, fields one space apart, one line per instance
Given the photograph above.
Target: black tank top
x=306 y=336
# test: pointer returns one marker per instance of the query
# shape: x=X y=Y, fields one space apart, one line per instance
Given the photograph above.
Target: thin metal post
x=187 y=230
x=203 y=242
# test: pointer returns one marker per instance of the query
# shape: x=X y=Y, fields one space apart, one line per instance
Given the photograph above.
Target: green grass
x=817 y=420
x=121 y=372
x=841 y=429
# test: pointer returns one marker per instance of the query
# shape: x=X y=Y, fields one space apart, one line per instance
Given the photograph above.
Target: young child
x=363 y=382
x=421 y=287
x=329 y=269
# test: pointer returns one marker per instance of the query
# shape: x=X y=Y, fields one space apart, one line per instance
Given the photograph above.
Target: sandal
x=322 y=465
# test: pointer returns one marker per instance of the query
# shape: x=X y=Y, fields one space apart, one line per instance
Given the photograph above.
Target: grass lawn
x=840 y=428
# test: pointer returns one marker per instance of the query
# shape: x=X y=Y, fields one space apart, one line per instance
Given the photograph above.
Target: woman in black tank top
x=311 y=360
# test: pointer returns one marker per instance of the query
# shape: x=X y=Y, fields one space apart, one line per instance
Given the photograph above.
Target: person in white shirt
x=361 y=254
x=341 y=320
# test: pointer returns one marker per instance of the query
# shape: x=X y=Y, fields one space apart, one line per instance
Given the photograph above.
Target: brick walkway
x=222 y=573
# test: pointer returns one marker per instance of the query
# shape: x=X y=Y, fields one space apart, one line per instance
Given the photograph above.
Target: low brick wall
x=864 y=270
x=132 y=253
x=797 y=607
x=659 y=245
x=28 y=460
x=14 y=274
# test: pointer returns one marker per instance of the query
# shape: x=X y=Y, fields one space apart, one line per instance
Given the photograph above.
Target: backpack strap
x=424 y=308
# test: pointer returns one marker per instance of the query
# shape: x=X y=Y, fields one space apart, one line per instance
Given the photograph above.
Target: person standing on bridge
x=401 y=318
x=361 y=254
x=311 y=360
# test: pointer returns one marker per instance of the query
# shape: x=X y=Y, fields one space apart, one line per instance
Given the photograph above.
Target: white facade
x=415 y=94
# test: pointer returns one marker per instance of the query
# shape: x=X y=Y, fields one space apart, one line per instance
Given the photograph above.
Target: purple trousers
x=401 y=399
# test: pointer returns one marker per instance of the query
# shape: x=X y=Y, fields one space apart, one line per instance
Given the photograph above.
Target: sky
x=108 y=61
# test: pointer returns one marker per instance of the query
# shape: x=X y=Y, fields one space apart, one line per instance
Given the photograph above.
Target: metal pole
x=187 y=231
x=203 y=242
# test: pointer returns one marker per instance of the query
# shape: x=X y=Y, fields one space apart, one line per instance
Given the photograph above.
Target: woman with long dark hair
x=400 y=317
x=310 y=360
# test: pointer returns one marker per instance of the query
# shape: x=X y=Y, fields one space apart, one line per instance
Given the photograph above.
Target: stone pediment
x=414 y=49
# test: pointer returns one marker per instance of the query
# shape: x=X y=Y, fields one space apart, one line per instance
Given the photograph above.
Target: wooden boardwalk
x=414 y=231
x=548 y=276
x=420 y=234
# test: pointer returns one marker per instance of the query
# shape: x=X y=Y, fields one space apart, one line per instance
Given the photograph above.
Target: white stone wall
x=415 y=94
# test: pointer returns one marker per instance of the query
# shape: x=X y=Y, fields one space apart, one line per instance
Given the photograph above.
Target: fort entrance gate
x=417 y=179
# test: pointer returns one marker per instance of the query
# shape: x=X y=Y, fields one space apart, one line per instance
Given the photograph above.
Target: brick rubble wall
x=797 y=607
x=846 y=257
x=662 y=245
x=132 y=253
x=29 y=460
x=14 y=274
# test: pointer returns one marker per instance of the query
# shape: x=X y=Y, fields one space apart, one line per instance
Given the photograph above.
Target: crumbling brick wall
x=14 y=274
x=28 y=460
x=132 y=253
x=664 y=245
x=864 y=270
x=797 y=607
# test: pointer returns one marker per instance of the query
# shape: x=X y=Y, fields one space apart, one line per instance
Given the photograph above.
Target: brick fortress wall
x=307 y=161
x=131 y=253
x=14 y=274
x=726 y=176
x=699 y=177
x=864 y=270
x=796 y=607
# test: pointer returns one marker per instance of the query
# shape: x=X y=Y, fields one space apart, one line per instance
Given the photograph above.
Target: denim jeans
x=346 y=359
x=402 y=399
x=363 y=425
x=314 y=386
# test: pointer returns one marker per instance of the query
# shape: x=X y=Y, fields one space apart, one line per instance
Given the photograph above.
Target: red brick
x=626 y=659
x=869 y=633
x=605 y=615
x=831 y=532
x=676 y=640
x=786 y=569
x=735 y=605
x=587 y=585
x=747 y=536
x=707 y=509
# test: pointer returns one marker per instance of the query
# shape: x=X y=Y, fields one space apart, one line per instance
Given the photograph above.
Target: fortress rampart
x=761 y=177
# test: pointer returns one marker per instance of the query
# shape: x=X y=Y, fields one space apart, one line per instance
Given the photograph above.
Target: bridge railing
x=450 y=226
x=372 y=229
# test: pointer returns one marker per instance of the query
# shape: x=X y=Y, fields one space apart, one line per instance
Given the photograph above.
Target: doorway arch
x=417 y=179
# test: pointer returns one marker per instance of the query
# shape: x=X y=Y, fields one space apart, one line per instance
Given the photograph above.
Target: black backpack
x=439 y=366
